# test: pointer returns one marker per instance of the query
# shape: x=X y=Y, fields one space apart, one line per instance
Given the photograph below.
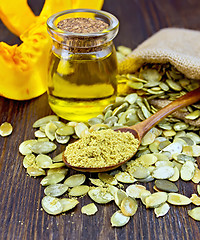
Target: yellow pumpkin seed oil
x=81 y=85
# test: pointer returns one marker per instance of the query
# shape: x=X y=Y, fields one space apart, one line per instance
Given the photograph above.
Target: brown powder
x=82 y=25
x=101 y=149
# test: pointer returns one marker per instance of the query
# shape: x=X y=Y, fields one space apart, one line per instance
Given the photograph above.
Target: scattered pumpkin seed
x=89 y=209
x=43 y=147
x=195 y=199
x=35 y=171
x=156 y=199
x=52 y=205
x=178 y=199
x=52 y=179
x=43 y=121
x=68 y=203
x=125 y=177
x=118 y=219
x=75 y=180
x=187 y=171
x=162 y=210
x=43 y=161
x=165 y=185
x=5 y=129
x=107 y=178
x=195 y=213
x=25 y=147
x=50 y=130
x=97 y=182
x=100 y=195
x=164 y=172
x=58 y=158
x=79 y=190
x=129 y=206
x=119 y=196
x=28 y=160
x=135 y=190
x=56 y=190
x=57 y=170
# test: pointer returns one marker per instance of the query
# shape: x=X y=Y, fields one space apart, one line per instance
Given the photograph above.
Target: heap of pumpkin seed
x=167 y=153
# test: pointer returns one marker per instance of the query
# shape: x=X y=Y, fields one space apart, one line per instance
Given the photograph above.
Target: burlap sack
x=180 y=47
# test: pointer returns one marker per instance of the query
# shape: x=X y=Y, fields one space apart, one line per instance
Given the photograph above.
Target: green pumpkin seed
x=129 y=206
x=151 y=75
x=140 y=172
x=107 y=178
x=135 y=190
x=176 y=175
x=57 y=165
x=174 y=85
x=180 y=126
x=58 y=158
x=162 y=210
x=57 y=170
x=178 y=199
x=131 y=98
x=97 y=182
x=100 y=195
x=5 y=129
x=125 y=177
x=39 y=134
x=187 y=171
x=65 y=130
x=55 y=190
x=75 y=180
x=195 y=213
x=62 y=139
x=156 y=199
x=35 y=171
x=193 y=115
x=29 y=160
x=118 y=219
x=25 y=147
x=95 y=120
x=43 y=147
x=68 y=203
x=164 y=172
x=43 y=161
x=43 y=121
x=119 y=195
x=52 y=205
x=80 y=129
x=135 y=85
x=166 y=186
x=50 y=130
x=79 y=191
x=52 y=179
x=89 y=209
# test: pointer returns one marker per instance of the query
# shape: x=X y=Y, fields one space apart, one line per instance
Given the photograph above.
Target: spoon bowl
x=140 y=129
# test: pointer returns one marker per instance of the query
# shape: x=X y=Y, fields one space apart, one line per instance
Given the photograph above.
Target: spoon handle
x=143 y=127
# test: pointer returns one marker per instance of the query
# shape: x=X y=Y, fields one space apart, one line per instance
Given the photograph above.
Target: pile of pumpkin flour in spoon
x=101 y=149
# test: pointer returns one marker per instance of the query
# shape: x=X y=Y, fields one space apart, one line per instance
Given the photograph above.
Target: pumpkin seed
x=65 y=130
x=162 y=210
x=89 y=209
x=148 y=138
x=180 y=126
x=178 y=199
x=193 y=115
x=164 y=172
x=35 y=171
x=176 y=175
x=156 y=199
x=195 y=213
x=29 y=160
x=95 y=120
x=75 y=180
x=165 y=185
x=52 y=205
x=174 y=147
x=182 y=158
x=43 y=121
x=68 y=203
x=43 y=161
x=52 y=179
x=195 y=199
x=119 y=195
x=131 y=98
x=97 y=182
x=43 y=147
x=151 y=75
x=129 y=206
x=100 y=195
x=196 y=150
x=147 y=159
x=55 y=190
x=135 y=190
x=135 y=85
x=107 y=178
x=187 y=171
x=57 y=170
x=173 y=85
x=196 y=177
x=39 y=134
x=57 y=165
x=125 y=177
x=194 y=137
x=140 y=172
x=5 y=129
x=118 y=219
x=50 y=130
x=25 y=147
x=59 y=124
x=79 y=190
x=58 y=158
x=62 y=139
x=80 y=129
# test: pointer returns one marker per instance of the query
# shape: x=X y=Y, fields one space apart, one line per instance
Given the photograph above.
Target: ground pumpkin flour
x=101 y=149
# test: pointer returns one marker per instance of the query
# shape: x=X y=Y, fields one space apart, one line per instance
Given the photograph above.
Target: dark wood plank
x=21 y=215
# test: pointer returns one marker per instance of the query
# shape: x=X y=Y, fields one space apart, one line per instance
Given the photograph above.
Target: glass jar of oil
x=83 y=66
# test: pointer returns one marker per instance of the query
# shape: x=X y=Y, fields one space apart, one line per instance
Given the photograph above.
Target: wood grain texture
x=20 y=207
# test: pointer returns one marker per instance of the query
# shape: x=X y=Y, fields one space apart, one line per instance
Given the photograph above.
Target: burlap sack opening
x=180 y=47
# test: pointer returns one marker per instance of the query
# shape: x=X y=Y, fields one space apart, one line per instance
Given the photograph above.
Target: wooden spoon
x=140 y=129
